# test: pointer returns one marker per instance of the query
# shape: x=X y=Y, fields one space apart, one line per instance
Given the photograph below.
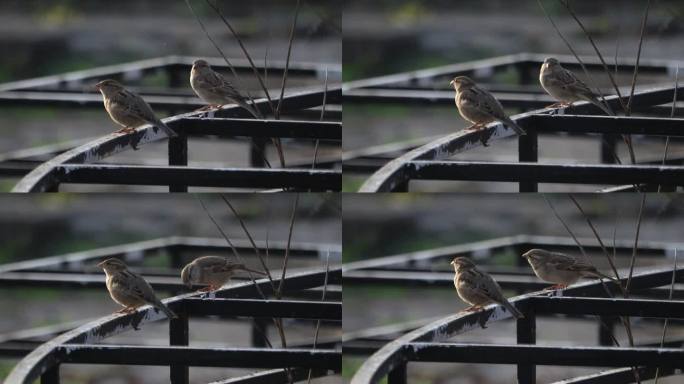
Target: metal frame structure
x=308 y=295
x=45 y=168
x=393 y=347
x=394 y=166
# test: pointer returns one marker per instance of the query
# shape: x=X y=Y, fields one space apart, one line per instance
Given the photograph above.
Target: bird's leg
x=473 y=308
x=126 y=130
x=208 y=107
x=475 y=127
x=122 y=310
x=554 y=287
x=205 y=289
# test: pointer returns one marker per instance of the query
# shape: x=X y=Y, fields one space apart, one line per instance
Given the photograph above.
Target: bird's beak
x=452 y=82
x=526 y=255
x=100 y=264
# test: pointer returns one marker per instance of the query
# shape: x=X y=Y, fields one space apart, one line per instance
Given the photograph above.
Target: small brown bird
x=477 y=288
x=565 y=87
x=130 y=289
x=479 y=106
x=214 y=89
x=212 y=271
x=560 y=268
x=128 y=109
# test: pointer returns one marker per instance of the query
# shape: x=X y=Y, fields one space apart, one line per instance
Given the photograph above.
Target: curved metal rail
x=429 y=161
x=79 y=345
x=50 y=174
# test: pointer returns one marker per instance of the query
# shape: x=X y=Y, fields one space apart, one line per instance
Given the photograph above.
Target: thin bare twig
x=244 y=50
x=287 y=61
x=636 y=67
x=636 y=242
x=279 y=292
x=672 y=284
x=251 y=240
x=567 y=228
x=318 y=322
x=325 y=97
x=672 y=113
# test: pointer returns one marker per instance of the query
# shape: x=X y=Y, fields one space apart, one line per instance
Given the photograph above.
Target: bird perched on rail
x=212 y=271
x=477 y=288
x=214 y=89
x=565 y=87
x=128 y=109
x=479 y=106
x=560 y=268
x=130 y=289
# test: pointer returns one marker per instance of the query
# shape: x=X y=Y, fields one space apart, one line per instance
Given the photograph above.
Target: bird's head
x=462 y=263
x=462 y=82
x=535 y=254
x=112 y=265
x=108 y=86
x=200 y=65
x=187 y=274
x=550 y=62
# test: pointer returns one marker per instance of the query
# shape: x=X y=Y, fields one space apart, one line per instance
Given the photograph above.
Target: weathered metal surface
x=390 y=360
x=543 y=355
x=251 y=178
x=419 y=87
x=545 y=173
x=265 y=308
x=48 y=355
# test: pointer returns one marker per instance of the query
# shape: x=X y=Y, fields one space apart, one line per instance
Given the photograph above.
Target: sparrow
x=560 y=268
x=212 y=271
x=479 y=106
x=565 y=87
x=130 y=289
x=128 y=109
x=214 y=89
x=477 y=288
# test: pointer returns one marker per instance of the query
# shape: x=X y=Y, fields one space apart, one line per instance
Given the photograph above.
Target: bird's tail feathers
x=512 y=124
x=513 y=310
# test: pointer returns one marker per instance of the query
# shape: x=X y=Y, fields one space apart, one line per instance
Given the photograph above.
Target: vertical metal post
x=402 y=187
x=257 y=152
x=259 y=332
x=51 y=376
x=179 y=335
x=527 y=334
x=608 y=148
x=178 y=155
x=398 y=375
x=528 y=153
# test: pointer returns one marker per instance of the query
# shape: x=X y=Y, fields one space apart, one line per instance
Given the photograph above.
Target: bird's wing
x=219 y=85
x=572 y=82
x=136 y=106
x=489 y=287
x=567 y=263
x=486 y=102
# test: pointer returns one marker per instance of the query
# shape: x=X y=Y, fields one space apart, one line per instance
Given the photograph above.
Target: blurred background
x=39 y=38
x=386 y=37
x=39 y=226
x=392 y=224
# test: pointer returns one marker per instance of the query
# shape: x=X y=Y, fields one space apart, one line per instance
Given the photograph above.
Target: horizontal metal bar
x=649 y=126
x=543 y=355
x=305 y=179
x=607 y=307
x=545 y=173
x=139 y=68
x=265 y=308
x=619 y=375
x=198 y=357
x=228 y=127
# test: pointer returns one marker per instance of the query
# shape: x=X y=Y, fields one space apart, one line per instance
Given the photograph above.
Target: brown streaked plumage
x=130 y=289
x=477 y=288
x=560 y=268
x=128 y=109
x=565 y=87
x=212 y=271
x=479 y=106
